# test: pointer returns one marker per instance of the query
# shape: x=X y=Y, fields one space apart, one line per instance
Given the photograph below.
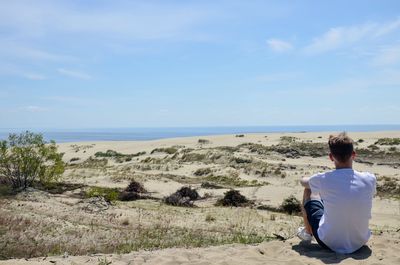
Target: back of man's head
x=341 y=147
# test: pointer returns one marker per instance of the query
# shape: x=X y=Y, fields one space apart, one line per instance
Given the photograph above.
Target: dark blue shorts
x=315 y=210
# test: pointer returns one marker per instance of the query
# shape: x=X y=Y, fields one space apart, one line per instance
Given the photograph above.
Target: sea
x=142 y=134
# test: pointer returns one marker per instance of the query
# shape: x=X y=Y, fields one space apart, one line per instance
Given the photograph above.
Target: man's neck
x=343 y=166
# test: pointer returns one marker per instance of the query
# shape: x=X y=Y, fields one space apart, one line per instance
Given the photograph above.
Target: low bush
x=291 y=205
x=129 y=196
x=203 y=171
x=176 y=199
x=209 y=185
x=135 y=186
x=168 y=150
x=182 y=197
x=388 y=141
x=188 y=192
x=233 y=198
x=110 y=194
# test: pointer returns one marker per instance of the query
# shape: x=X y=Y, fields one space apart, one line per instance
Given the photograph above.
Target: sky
x=109 y=64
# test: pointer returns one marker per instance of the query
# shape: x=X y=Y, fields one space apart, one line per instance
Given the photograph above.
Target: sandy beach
x=67 y=227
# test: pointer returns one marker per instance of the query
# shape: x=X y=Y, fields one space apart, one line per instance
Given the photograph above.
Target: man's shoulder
x=366 y=175
x=318 y=175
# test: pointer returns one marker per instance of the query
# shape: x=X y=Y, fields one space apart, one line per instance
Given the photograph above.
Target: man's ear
x=331 y=157
x=353 y=155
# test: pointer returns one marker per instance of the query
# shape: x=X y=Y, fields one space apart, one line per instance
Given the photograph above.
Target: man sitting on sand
x=337 y=204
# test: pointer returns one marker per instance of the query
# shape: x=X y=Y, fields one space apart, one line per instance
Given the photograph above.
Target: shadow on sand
x=330 y=257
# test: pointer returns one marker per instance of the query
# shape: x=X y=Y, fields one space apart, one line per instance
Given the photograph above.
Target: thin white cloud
x=388 y=55
x=278 y=45
x=127 y=19
x=339 y=37
x=14 y=49
x=74 y=74
x=34 y=109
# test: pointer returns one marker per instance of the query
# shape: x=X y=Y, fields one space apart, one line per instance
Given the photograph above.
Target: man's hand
x=305 y=182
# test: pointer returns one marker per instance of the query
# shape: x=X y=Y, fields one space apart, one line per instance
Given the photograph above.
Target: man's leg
x=306 y=198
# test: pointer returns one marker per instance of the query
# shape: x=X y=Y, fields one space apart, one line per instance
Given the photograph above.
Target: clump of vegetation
x=129 y=196
x=203 y=171
x=209 y=185
x=241 y=160
x=167 y=150
x=109 y=194
x=74 y=159
x=291 y=205
x=27 y=158
x=373 y=147
x=183 y=197
x=189 y=192
x=255 y=148
x=392 y=149
x=135 y=186
x=119 y=157
x=210 y=218
x=360 y=140
x=233 y=198
x=239 y=135
x=388 y=141
x=93 y=163
x=297 y=149
x=288 y=139
x=133 y=192
x=203 y=141
x=193 y=157
x=388 y=187
x=233 y=181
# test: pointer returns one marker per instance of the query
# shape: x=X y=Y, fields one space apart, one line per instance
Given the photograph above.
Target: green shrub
x=110 y=194
x=27 y=158
x=388 y=141
x=168 y=150
x=291 y=205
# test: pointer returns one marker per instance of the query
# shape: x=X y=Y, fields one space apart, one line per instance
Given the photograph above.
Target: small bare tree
x=26 y=158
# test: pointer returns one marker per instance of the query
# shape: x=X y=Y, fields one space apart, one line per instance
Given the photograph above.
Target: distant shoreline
x=146 y=134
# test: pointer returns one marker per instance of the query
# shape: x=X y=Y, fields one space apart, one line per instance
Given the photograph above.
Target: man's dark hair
x=341 y=146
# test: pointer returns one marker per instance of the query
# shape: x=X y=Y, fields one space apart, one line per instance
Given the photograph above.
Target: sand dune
x=382 y=249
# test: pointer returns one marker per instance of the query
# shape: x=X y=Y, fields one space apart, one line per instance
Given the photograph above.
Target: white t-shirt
x=347 y=197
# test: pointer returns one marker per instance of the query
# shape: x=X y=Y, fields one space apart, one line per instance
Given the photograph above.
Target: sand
x=383 y=247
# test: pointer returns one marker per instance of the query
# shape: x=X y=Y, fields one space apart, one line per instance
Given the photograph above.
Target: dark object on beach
x=233 y=198
x=203 y=141
x=135 y=186
x=291 y=205
x=239 y=135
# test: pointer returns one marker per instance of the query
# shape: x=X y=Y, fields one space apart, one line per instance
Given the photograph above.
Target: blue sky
x=88 y=64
